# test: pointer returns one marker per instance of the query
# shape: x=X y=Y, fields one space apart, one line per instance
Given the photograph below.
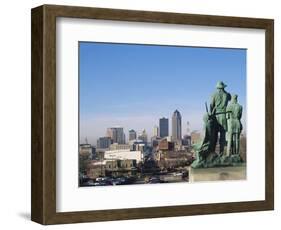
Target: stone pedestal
x=217 y=174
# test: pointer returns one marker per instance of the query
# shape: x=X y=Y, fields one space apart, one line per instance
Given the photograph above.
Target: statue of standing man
x=218 y=107
x=234 y=114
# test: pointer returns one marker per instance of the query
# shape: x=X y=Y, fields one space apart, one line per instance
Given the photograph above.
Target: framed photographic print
x=140 y=114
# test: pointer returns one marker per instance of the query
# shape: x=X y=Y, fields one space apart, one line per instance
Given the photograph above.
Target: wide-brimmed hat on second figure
x=221 y=85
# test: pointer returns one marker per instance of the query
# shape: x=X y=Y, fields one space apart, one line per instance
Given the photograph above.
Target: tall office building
x=143 y=136
x=176 y=126
x=163 y=127
x=103 y=142
x=195 y=137
x=132 y=135
x=186 y=141
x=155 y=131
x=116 y=134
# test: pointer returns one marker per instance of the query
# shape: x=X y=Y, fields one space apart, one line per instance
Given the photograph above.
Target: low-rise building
x=138 y=145
x=116 y=146
x=123 y=155
x=120 y=165
x=165 y=145
x=155 y=141
x=111 y=164
x=111 y=167
x=128 y=164
x=96 y=169
x=87 y=151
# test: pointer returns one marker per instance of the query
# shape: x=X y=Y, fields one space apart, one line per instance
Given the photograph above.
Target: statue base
x=217 y=174
x=216 y=160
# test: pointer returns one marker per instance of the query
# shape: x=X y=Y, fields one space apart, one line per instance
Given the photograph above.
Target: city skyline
x=137 y=133
x=144 y=83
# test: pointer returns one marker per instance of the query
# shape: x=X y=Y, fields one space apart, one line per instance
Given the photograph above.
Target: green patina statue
x=222 y=121
x=218 y=106
x=234 y=126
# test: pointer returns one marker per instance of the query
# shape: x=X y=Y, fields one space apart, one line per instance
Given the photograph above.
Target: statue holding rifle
x=222 y=119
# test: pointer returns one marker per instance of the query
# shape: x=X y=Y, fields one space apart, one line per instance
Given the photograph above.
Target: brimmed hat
x=221 y=85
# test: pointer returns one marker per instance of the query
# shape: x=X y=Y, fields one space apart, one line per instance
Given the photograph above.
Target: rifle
x=206 y=106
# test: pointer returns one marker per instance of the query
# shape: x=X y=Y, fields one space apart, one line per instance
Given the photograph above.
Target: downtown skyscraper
x=132 y=135
x=155 y=132
x=176 y=126
x=163 y=127
x=116 y=134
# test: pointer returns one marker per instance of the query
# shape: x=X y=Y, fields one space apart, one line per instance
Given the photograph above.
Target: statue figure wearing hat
x=222 y=119
x=218 y=107
x=234 y=114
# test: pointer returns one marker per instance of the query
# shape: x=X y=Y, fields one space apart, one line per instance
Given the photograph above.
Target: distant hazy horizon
x=133 y=86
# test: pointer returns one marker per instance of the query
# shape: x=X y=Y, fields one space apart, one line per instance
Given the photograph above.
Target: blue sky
x=134 y=85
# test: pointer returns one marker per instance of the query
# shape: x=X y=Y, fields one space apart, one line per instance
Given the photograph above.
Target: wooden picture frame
x=43 y=208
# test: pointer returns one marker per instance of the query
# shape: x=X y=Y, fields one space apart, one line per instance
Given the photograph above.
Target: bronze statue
x=234 y=126
x=221 y=120
x=218 y=106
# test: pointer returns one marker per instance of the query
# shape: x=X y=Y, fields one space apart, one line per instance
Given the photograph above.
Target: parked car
x=98 y=179
x=154 y=180
x=101 y=183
